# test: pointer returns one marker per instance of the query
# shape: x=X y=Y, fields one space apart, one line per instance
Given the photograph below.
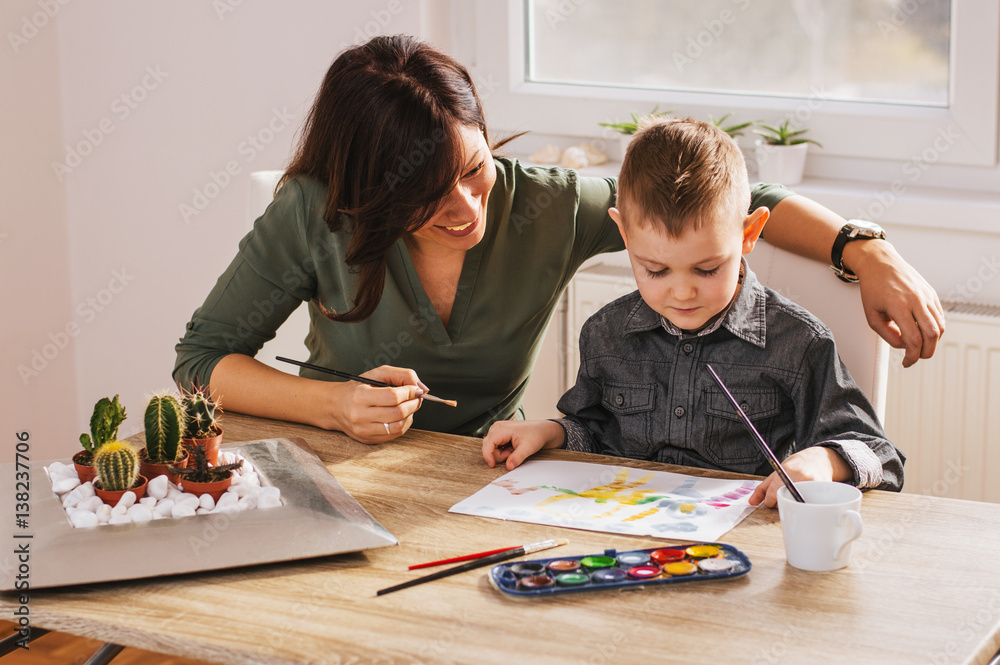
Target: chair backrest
x=290 y=338
x=837 y=304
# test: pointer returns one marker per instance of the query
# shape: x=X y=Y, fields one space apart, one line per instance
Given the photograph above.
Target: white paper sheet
x=614 y=499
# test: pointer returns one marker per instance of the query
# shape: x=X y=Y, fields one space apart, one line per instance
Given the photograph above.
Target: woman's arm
x=899 y=304
x=361 y=411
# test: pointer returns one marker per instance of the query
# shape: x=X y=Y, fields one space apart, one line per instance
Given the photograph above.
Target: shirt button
x=619 y=399
x=688 y=347
x=745 y=407
x=679 y=411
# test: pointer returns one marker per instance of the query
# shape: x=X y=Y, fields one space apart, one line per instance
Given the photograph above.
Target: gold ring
x=386 y=425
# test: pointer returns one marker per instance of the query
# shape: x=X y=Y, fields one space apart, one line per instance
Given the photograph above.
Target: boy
x=643 y=391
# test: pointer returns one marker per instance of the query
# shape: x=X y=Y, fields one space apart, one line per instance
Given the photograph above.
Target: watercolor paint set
x=695 y=562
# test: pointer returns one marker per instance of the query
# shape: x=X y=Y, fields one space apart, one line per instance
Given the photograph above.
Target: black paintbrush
x=759 y=440
x=478 y=563
x=361 y=379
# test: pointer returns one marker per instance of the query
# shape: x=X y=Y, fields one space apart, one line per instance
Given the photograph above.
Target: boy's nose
x=683 y=291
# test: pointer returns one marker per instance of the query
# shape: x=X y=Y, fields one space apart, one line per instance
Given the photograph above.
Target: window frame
x=493 y=34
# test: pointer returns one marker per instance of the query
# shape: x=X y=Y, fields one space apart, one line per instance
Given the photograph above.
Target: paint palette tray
x=631 y=569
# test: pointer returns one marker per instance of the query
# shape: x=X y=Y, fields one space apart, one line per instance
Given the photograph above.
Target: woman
x=424 y=257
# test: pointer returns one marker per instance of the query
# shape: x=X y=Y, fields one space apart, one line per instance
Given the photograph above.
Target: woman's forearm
x=246 y=385
x=899 y=304
x=804 y=227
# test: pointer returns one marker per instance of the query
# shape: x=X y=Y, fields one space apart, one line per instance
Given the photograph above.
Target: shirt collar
x=744 y=318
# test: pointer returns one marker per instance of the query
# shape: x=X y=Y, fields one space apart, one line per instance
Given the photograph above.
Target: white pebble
x=118 y=510
x=206 y=501
x=120 y=519
x=93 y=504
x=72 y=499
x=226 y=500
x=158 y=487
x=173 y=493
x=247 y=490
x=60 y=485
x=127 y=500
x=249 y=502
x=148 y=501
x=202 y=511
x=268 y=500
x=83 y=519
x=104 y=513
x=164 y=507
x=188 y=497
x=140 y=513
x=158 y=516
x=59 y=467
x=182 y=510
x=87 y=490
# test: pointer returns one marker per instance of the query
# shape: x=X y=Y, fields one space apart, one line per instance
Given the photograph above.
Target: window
x=900 y=80
x=852 y=50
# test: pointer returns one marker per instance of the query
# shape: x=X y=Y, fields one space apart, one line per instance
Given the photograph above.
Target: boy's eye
x=708 y=273
x=658 y=273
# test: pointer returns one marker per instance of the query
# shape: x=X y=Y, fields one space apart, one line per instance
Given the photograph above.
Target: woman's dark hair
x=383 y=136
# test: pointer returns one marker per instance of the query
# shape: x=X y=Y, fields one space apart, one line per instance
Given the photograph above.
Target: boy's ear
x=752 y=226
x=617 y=217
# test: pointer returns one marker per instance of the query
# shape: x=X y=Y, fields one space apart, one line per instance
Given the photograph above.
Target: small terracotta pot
x=86 y=472
x=215 y=489
x=152 y=469
x=111 y=497
x=211 y=446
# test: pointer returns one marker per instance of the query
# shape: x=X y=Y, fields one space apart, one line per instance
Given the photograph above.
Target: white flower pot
x=782 y=164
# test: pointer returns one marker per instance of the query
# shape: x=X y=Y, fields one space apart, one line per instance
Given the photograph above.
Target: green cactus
x=164 y=422
x=201 y=414
x=117 y=465
x=108 y=416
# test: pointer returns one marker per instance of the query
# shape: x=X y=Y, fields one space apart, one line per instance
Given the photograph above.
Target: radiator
x=944 y=413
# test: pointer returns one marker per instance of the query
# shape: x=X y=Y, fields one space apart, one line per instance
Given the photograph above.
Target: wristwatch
x=854 y=229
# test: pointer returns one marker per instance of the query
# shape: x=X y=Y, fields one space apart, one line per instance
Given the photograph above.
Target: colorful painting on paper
x=614 y=499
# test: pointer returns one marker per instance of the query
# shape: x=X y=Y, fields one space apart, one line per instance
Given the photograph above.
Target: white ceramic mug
x=818 y=533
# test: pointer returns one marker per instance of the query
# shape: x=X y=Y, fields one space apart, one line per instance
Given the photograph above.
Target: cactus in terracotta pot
x=165 y=423
x=117 y=465
x=201 y=414
x=108 y=416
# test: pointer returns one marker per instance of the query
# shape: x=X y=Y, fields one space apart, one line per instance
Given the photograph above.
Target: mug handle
x=855 y=519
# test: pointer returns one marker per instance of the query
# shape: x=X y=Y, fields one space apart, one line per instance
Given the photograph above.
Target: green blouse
x=541 y=224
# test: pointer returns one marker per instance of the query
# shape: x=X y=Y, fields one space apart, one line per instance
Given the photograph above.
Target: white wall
x=35 y=274
x=154 y=98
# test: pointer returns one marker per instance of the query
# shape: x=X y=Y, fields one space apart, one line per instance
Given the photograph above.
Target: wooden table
x=923 y=585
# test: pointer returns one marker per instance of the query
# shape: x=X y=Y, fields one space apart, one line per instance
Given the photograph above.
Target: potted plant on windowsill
x=627 y=129
x=108 y=416
x=164 y=421
x=201 y=422
x=781 y=153
x=735 y=130
x=117 y=465
x=201 y=478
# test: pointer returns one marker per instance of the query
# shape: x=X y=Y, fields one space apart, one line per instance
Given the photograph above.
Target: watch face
x=866 y=228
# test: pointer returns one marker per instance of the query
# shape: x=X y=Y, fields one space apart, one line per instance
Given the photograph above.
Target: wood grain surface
x=922 y=586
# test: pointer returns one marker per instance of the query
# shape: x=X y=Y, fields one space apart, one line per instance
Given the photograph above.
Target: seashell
x=574 y=158
x=547 y=155
x=594 y=156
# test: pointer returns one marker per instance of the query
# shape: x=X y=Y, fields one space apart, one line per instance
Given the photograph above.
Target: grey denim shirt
x=644 y=393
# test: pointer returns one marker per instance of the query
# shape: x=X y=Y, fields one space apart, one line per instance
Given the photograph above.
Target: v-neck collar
x=403 y=270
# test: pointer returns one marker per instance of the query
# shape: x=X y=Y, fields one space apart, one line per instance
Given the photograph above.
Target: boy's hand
x=813 y=463
x=513 y=441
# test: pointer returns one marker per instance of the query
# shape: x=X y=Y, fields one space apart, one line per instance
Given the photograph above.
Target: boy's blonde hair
x=680 y=173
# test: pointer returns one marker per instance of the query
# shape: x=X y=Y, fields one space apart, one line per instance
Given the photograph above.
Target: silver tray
x=318 y=517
